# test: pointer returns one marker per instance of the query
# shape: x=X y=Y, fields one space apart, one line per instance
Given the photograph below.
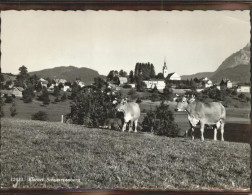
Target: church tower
x=165 y=70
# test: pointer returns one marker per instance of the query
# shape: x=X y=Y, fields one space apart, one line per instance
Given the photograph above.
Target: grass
x=111 y=159
x=26 y=110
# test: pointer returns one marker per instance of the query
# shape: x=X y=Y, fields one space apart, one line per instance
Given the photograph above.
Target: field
x=96 y=158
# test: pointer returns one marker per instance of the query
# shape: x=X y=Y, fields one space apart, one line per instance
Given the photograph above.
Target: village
x=10 y=89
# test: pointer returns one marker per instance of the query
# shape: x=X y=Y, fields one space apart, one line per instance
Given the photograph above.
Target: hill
x=70 y=73
x=99 y=158
x=236 y=67
x=197 y=75
x=237 y=73
x=236 y=59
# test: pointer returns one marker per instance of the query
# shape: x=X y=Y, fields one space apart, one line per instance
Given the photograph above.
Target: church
x=171 y=76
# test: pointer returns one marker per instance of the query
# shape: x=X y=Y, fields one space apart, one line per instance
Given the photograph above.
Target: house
x=225 y=83
x=173 y=76
x=243 y=89
x=207 y=83
x=43 y=82
x=17 y=91
x=80 y=83
x=133 y=85
x=150 y=84
x=66 y=88
x=123 y=80
x=58 y=81
x=51 y=88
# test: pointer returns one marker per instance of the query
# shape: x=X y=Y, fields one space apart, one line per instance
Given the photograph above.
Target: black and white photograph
x=125 y=100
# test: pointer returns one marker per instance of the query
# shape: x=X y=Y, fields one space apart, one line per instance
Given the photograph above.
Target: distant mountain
x=236 y=68
x=197 y=75
x=70 y=73
x=238 y=58
x=238 y=73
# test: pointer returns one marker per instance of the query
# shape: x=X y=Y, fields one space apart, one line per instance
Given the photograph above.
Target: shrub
x=242 y=96
x=40 y=115
x=127 y=86
x=44 y=97
x=161 y=122
x=92 y=108
x=13 y=110
x=63 y=97
x=133 y=94
x=138 y=100
x=8 y=99
x=155 y=97
x=28 y=94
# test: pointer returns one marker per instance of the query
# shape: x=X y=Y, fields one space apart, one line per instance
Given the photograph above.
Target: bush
x=133 y=94
x=127 y=86
x=161 y=122
x=13 y=110
x=92 y=108
x=28 y=94
x=8 y=99
x=138 y=100
x=44 y=97
x=155 y=97
x=40 y=115
x=64 y=97
x=242 y=96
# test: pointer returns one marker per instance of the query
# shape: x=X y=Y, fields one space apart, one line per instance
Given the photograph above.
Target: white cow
x=212 y=113
x=131 y=113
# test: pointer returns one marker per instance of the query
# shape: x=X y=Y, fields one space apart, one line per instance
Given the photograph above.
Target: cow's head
x=183 y=103
x=121 y=106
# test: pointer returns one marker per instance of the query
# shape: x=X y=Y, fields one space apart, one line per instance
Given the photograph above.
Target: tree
x=152 y=71
x=131 y=77
x=63 y=97
x=44 y=97
x=242 y=96
x=7 y=84
x=161 y=121
x=28 y=94
x=1 y=106
x=60 y=86
x=13 y=110
x=40 y=115
x=75 y=90
x=122 y=73
x=22 y=77
x=167 y=93
x=160 y=76
x=1 y=81
x=56 y=91
x=8 y=99
x=99 y=82
x=92 y=108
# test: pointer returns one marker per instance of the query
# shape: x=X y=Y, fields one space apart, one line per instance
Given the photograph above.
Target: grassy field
x=96 y=158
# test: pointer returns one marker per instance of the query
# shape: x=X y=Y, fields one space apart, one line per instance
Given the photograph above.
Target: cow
x=131 y=113
x=212 y=113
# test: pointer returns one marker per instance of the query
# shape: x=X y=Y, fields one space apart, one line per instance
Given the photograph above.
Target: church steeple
x=165 y=69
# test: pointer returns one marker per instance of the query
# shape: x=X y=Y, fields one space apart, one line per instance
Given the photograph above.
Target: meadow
x=99 y=158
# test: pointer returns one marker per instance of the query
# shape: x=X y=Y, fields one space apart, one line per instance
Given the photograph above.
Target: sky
x=190 y=41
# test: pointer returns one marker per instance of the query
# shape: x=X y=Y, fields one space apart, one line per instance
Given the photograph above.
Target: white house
x=123 y=80
x=226 y=83
x=66 y=88
x=80 y=83
x=207 y=83
x=150 y=84
x=174 y=76
x=43 y=82
x=243 y=89
x=17 y=91
x=58 y=81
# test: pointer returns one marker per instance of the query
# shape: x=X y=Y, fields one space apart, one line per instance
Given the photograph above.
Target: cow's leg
x=215 y=133
x=124 y=126
x=222 y=131
x=135 y=125
x=202 y=125
x=131 y=126
x=192 y=133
